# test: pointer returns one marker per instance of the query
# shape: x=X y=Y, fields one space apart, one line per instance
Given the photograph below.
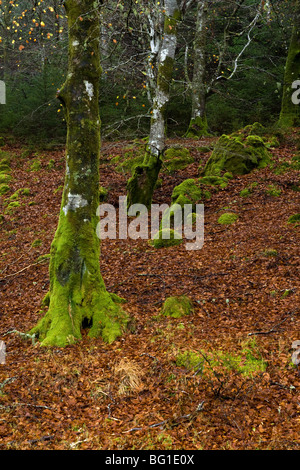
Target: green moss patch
x=222 y=182
x=193 y=191
x=188 y=192
x=269 y=252
x=103 y=193
x=36 y=165
x=177 y=307
x=4 y=178
x=227 y=218
x=294 y=219
x=36 y=243
x=166 y=238
x=245 y=192
x=198 y=127
x=273 y=191
x=248 y=362
x=20 y=192
x=175 y=159
x=4 y=188
x=11 y=206
x=4 y=167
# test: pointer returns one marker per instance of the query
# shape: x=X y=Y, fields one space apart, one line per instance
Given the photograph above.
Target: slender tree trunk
x=155 y=27
x=141 y=186
x=290 y=114
x=198 y=123
x=77 y=294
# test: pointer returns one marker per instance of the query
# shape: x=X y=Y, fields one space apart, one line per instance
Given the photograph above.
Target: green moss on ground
x=270 y=252
x=227 y=218
x=20 y=192
x=273 y=191
x=103 y=193
x=222 y=182
x=4 y=188
x=248 y=362
x=294 y=219
x=173 y=159
x=193 y=191
x=36 y=165
x=245 y=192
x=188 y=192
x=4 y=167
x=166 y=238
x=4 y=178
x=11 y=206
x=177 y=306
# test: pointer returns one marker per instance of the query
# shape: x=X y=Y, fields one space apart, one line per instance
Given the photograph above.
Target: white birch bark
x=164 y=76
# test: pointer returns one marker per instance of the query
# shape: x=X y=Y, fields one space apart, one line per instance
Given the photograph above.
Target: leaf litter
x=134 y=393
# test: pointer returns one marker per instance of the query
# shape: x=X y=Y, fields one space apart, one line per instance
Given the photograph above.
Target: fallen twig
x=274 y=328
x=173 y=422
x=21 y=270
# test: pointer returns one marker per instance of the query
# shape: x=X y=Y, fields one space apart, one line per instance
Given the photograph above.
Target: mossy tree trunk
x=290 y=114
x=198 y=124
x=141 y=185
x=78 y=296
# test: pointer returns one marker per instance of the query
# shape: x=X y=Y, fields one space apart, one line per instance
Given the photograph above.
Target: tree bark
x=141 y=185
x=290 y=114
x=77 y=294
x=198 y=123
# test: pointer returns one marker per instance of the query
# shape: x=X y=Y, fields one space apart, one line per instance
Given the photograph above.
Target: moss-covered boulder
x=220 y=181
x=174 y=159
x=188 y=192
x=177 y=158
x=252 y=129
x=238 y=153
x=177 y=307
x=165 y=238
x=193 y=191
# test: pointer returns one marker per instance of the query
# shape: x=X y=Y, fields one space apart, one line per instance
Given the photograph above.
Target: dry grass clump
x=130 y=375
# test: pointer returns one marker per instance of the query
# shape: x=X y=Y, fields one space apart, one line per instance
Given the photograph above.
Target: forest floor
x=244 y=392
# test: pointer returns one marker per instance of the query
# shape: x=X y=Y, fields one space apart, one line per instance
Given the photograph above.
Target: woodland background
x=219 y=379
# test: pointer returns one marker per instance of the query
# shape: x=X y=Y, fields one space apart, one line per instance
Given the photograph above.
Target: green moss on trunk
x=198 y=128
x=78 y=296
x=290 y=114
x=141 y=185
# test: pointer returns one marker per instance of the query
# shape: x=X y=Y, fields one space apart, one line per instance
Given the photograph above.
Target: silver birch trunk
x=141 y=185
x=164 y=76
